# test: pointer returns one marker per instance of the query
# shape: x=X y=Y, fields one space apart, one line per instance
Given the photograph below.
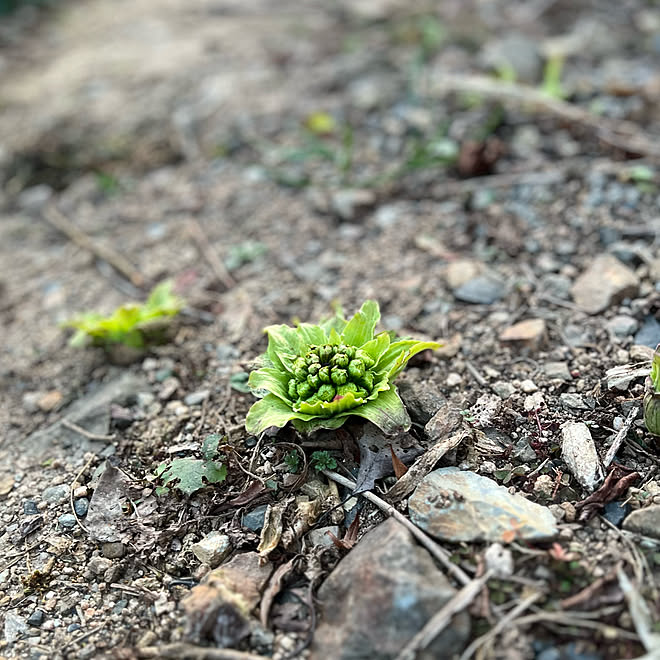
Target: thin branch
x=500 y=625
x=181 y=651
x=439 y=621
x=86 y=434
x=60 y=222
x=437 y=551
x=204 y=246
x=620 y=437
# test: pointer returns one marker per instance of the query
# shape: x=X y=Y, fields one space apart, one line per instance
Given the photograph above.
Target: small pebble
x=67 y=521
x=196 y=398
x=528 y=386
x=56 y=494
x=80 y=506
x=36 y=618
x=72 y=627
x=30 y=508
x=453 y=379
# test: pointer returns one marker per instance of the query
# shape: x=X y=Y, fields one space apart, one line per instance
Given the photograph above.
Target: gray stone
x=56 y=494
x=523 y=451
x=81 y=506
x=98 y=565
x=644 y=521
x=570 y=400
x=67 y=521
x=482 y=290
x=605 y=282
x=196 y=398
x=320 y=536
x=254 y=520
x=503 y=389
x=578 y=451
x=113 y=550
x=91 y=412
x=446 y=420
x=649 y=333
x=388 y=588
x=347 y=203
x=557 y=370
x=462 y=506
x=421 y=400
x=212 y=549
x=36 y=618
x=622 y=325
x=30 y=508
x=15 y=627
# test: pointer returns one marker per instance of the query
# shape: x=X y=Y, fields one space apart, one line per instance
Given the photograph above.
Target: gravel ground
x=272 y=161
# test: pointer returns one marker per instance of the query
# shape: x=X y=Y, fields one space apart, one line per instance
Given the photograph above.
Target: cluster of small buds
x=329 y=371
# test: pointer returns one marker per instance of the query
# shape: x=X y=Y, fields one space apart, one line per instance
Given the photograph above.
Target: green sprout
x=321 y=460
x=652 y=395
x=317 y=376
x=132 y=325
x=292 y=460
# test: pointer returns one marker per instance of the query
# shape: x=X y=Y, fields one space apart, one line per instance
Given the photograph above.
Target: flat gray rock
x=91 y=412
x=606 y=282
x=644 y=521
x=379 y=596
x=454 y=505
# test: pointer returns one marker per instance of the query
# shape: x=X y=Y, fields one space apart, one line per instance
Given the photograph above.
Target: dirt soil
x=274 y=159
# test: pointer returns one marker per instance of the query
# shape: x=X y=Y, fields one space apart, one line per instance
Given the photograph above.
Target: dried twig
x=204 y=246
x=617 y=133
x=437 y=623
x=500 y=625
x=86 y=434
x=437 y=551
x=56 y=219
x=182 y=651
x=620 y=436
x=424 y=464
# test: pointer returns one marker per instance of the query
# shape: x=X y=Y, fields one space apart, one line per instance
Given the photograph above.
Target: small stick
x=620 y=436
x=204 y=246
x=180 y=651
x=437 y=623
x=56 y=219
x=475 y=374
x=500 y=625
x=82 y=637
x=437 y=551
x=87 y=434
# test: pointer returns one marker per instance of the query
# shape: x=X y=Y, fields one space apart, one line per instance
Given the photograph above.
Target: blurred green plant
x=652 y=395
x=133 y=325
x=321 y=460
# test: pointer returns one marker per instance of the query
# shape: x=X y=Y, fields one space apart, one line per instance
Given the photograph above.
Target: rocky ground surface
x=275 y=158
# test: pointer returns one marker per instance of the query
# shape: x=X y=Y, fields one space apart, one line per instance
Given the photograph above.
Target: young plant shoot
x=316 y=376
x=652 y=396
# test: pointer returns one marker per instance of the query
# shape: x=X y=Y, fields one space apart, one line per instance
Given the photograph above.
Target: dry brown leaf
x=273 y=588
x=399 y=468
x=350 y=537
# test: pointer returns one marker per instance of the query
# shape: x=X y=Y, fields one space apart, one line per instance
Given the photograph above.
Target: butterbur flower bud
x=318 y=375
x=356 y=369
x=339 y=376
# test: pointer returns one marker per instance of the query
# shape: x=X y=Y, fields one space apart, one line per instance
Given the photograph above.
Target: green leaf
x=377 y=346
x=331 y=408
x=387 y=412
x=272 y=379
x=360 y=328
x=311 y=334
x=189 y=473
x=397 y=355
x=284 y=346
x=210 y=446
x=270 y=411
x=336 y=323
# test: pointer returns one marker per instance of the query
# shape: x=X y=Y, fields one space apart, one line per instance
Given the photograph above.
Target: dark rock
x=80 y=506
x=72 y=627
x=421 y=400
x=379 y=596
x=254 y=520
x=616 y=512
x=56 y=494
x=30 y=508
x=36 y=618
